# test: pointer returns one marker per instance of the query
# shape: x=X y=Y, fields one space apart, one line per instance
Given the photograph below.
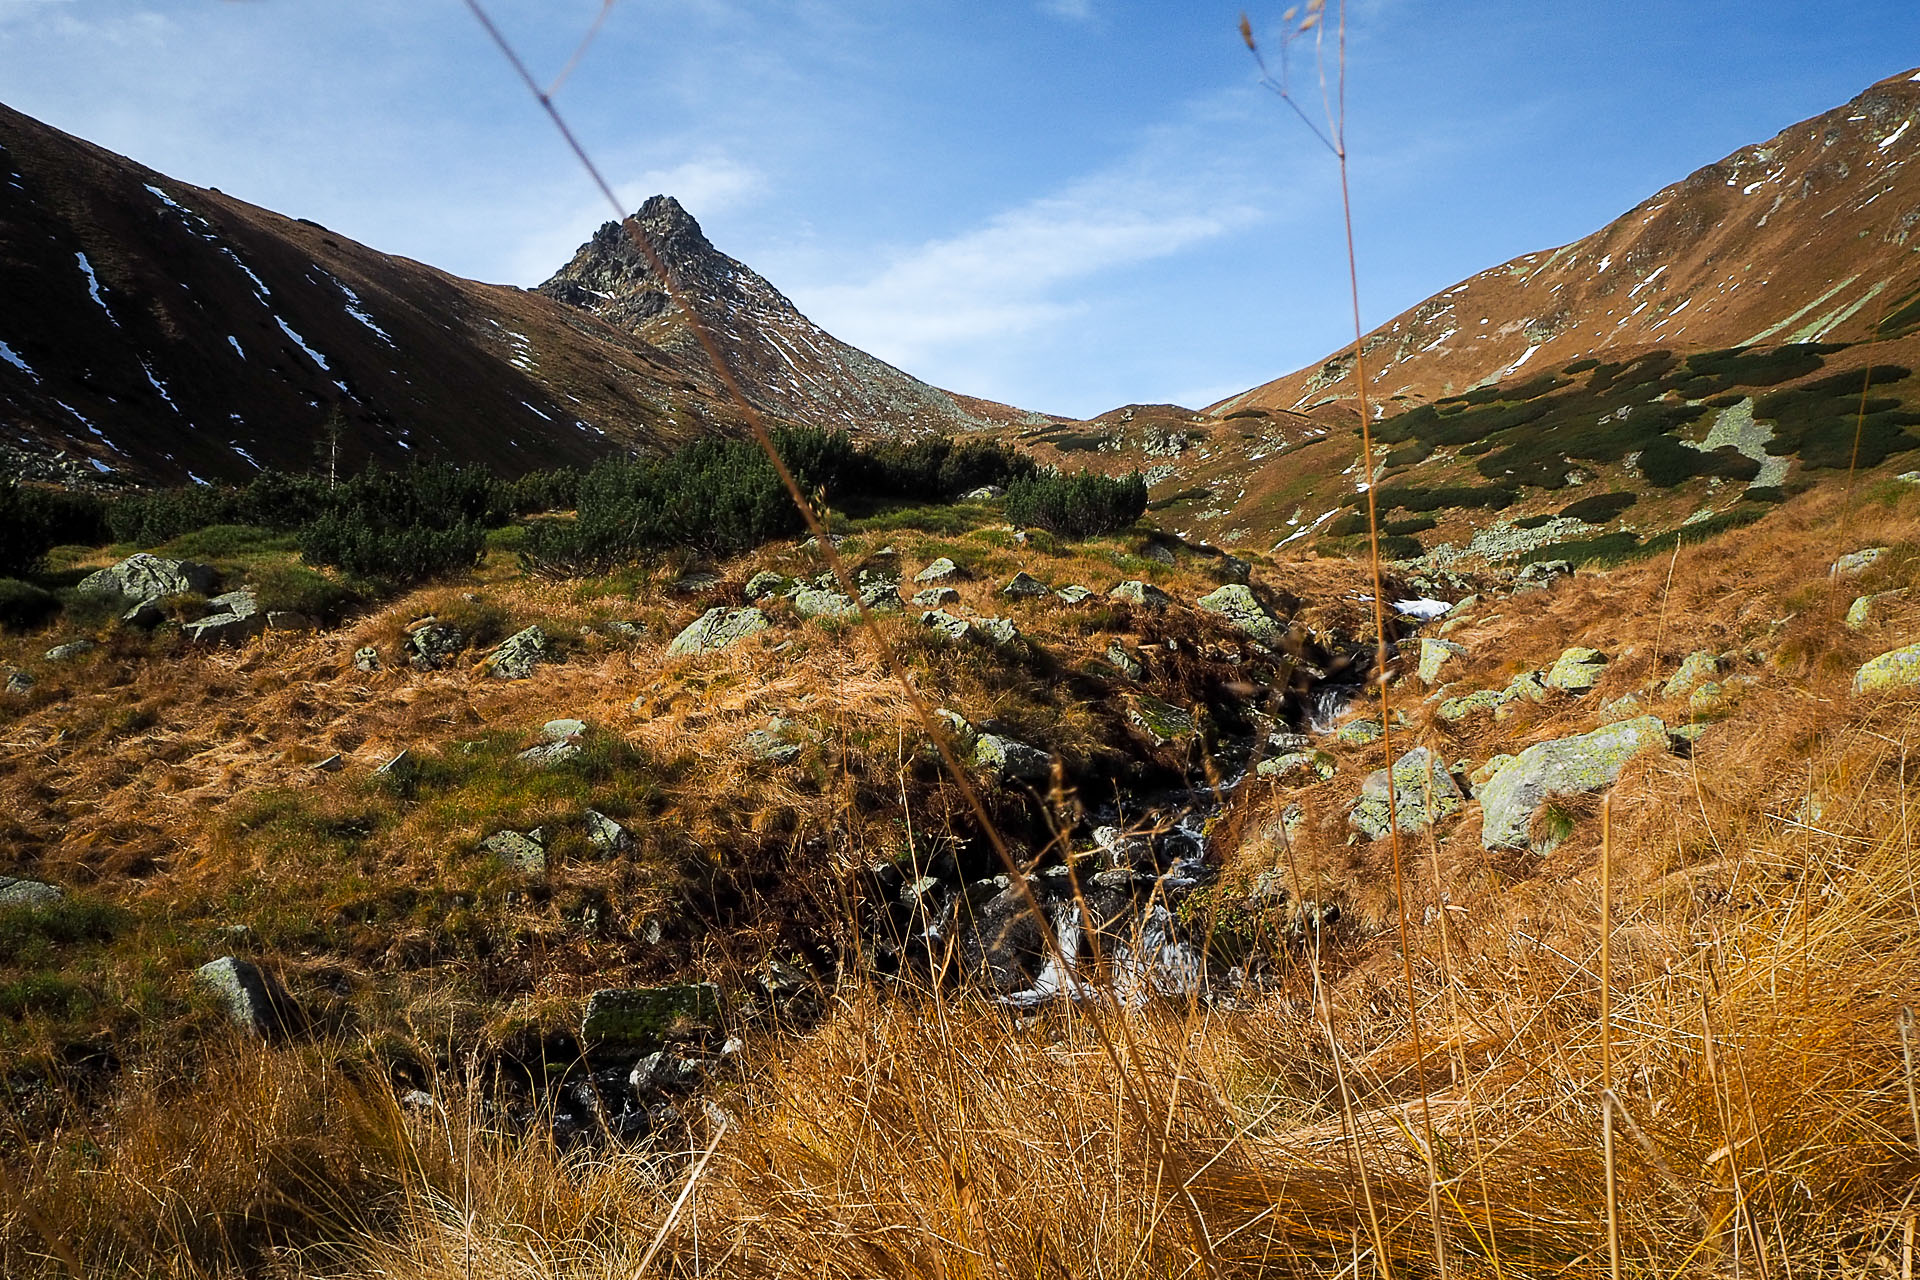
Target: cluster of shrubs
x=724 y=496
x=1077 y=506
x=34 y=520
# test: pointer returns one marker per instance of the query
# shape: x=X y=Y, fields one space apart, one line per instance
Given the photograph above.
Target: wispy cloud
x=1074 y=10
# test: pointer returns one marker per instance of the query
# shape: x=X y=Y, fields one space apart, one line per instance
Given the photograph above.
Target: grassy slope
x=1765 y=942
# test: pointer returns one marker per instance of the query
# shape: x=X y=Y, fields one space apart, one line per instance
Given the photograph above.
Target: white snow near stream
x=1421 y=608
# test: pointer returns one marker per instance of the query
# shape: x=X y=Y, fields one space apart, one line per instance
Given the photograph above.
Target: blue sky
x=1064 y=204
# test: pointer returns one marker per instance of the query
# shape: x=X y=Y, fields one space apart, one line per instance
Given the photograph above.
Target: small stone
x=1143 y=594
x=985 y=493
x=1435 y=654
x=999 y=631
x=821 y=602
x=1241 y=609
x=1011 y=760
x=934 y=597
x=432 y=645
x=519 y=654
x=1308 y=766
x=605 y=835
x=764 y=585
x=15 y=892
x=774 y=743
x=1026 y=587
x=1164 y=723
x=18 y=682
x=1362 y=732
x=946 y=624
x=1860 y=612
x=1126 y=661
x=399 y=769
x=332 y=764
x=1454 y=710
x=1855 y=563
x=367 y=659
x=253 y=1000
x=717 y=629
x=71 y=649
x=519 y=851
x=1896 y=670
x=1074 y=594
x=694 y=581
x=1696 y=669
x=1577 y=670
x=941 y=570
x=664 y=1072
x=1424 y=792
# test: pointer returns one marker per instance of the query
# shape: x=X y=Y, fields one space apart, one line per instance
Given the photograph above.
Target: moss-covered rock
x=643 y=1019
x=1861 y=611
x=717 y=629
x=1891 y=672
x=1163 y=723
x=1698 y=668
x=1564 y=766
x=1242 y=610
x=1434 y=655
x=1424 y=792
x=1577 y=670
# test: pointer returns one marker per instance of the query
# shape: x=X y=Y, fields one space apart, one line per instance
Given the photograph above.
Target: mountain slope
x=1813 y=235
x=786 y=364
x=154 y=330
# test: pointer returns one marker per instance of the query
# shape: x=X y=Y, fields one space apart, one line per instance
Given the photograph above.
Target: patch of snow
x=1657 y=273
x=7 y=354
x=79 y=415
x=260 y=289
x=302 y=344
x=158 y=386
x=1524 y=357
x=196 y=479
x=536 y=412
x=93 y=285
x=237 y=347
x=1301 y=533
x=100 y=466
x=164 y=198
x=358 y=311
x=235 y=446
x=1423 y=608
x=1894 y=137
x=1605 y=263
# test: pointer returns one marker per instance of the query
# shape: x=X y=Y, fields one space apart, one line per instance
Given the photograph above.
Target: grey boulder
x=717 y=629
x=1562 y=766
x=519 y=654
x=1424 y=792
x=145 y=576
x=254 y=1001
x=1236 y=604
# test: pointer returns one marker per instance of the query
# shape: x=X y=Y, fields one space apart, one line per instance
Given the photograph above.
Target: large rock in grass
x=1861 y=611
x=15 y=892
x=1010 y=760
x=1564 y=766
x=1893 y=672
x=1577 y=670
x=717 y=629
x=1026 y=587
x=1241 y=609
x=525 y=852
x=941 y=570
x=148 y=577
x=1162 y=722
x=1424 y=792
x=822 y=602
x=432 y=645
x=519 y=654
x=1696 y=669
x=644 y=1019
x=1144 y=594
x=1434 y=655
x=230 y=619
x=254 y=1000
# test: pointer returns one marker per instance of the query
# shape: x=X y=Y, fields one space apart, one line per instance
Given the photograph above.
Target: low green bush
x=228 y=542
x=1600 y=507
x=1077 y=506
x=34 y=519
x=24 y=606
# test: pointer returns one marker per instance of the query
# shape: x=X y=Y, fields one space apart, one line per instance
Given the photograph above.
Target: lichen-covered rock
x=1361 y=732
x=694 y=581
x=366 y=659
x=525 y=852
x=1696 y=669
x=764 y=585
x=1624 y=707
x=1074 y=593
x=1241 y=609
x=1484 y=774
x=1454 y=710
x=775 y=743
x=1891 y=672
x=253 y=1000
x=1010 y=760
x=964 y=735
x=15 y=892
x=1125 y=660
x=645 y=1019
x=71 y=649
x=148 y=577
x=941 y=570
x=1424 y=792
x=822 y=602
x=1861 y=611
x=999 y=631
x=519 y=654
x=1708 y=702
x=717 y=629
x=433 y=645
x=1306 y=766
x=935 y=597
x=1563 y=766
x=946 y=624
x=1435 y=654
x=1163 y=723
x=560 y=741
x=605 y=835
x=230 y=619
x=1026 y=587
x=19 y=682
x=1858 y=562
x=1143 y=594
x=1577 y=670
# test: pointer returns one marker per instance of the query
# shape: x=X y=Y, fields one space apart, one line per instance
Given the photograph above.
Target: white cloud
x=1076 y=10
x=1020 y=272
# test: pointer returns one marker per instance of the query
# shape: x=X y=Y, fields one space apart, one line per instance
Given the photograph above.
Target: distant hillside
x=154 y=330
